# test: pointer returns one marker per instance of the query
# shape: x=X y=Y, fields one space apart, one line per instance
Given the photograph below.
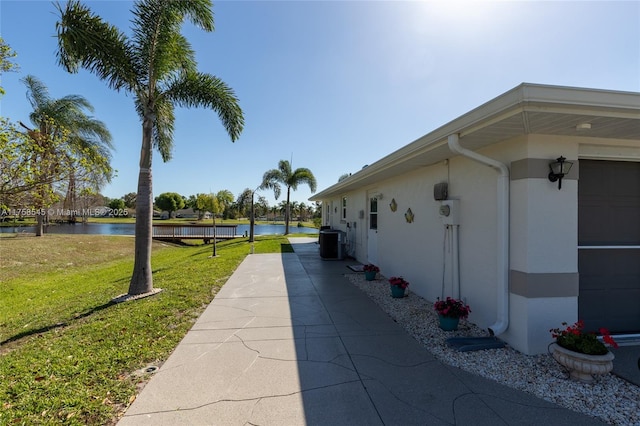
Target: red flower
x=399 y=282
x=370 y=267
x=573 y=337
x=452 y=308
x=607 y=338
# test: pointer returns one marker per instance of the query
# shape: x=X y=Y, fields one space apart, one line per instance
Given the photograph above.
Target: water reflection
x=129 y=229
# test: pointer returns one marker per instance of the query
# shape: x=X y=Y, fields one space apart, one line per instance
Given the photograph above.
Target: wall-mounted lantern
x=559 y=169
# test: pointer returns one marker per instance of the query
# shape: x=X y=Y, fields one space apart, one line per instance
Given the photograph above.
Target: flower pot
x=370 y=275
x=397 y=291
x=448 y=323
x=581 y=366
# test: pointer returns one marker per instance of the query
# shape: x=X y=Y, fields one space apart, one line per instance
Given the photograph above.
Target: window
x=373 y=213
x=344 y=208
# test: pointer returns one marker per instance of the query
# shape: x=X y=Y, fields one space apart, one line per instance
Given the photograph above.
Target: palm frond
x=271 y=180
x=303 y=175
x=159 y=44
x=285 y=169
x=37 y=92
x=193 y=89
x=163 y=129
x=85 y=41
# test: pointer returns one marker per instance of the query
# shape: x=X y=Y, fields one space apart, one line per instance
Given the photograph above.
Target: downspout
x=502 y=206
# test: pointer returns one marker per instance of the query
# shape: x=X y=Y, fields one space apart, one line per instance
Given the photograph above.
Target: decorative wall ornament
x=393 y=205
x=409 y=216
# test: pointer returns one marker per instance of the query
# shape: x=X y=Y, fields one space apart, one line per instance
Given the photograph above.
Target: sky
x=333 y=85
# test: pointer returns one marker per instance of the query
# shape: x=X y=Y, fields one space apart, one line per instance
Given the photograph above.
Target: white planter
x=582 y=367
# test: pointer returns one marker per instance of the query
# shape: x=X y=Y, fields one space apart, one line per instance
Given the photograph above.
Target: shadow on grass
x=286 y=248
x=36 y=331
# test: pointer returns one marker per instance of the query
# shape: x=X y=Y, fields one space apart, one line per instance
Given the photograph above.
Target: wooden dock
x=194 y=232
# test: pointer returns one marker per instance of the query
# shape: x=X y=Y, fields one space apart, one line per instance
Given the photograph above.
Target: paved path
x=289 y=341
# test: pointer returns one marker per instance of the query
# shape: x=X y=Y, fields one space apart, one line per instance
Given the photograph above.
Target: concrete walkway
x=289 y=341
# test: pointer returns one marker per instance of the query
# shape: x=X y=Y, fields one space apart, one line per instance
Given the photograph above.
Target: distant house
x=469 y=211
x=186 y=213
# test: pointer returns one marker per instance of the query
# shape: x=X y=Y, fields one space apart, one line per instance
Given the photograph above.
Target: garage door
x=609 y=245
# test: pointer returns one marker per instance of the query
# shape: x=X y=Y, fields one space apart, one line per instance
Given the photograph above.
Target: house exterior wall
x=543 y=267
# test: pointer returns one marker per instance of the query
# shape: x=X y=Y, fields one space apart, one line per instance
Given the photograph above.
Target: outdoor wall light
x=559 y=168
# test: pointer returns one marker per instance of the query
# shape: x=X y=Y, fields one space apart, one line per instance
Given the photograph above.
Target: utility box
x=450 y=212
x=332 y=244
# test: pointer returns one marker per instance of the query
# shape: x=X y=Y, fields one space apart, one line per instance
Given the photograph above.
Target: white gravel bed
x=608 y=398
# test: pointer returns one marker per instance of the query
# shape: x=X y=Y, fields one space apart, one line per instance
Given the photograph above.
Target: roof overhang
x=526 y=109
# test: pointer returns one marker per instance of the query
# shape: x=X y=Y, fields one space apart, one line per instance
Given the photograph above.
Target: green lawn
x=70 y=356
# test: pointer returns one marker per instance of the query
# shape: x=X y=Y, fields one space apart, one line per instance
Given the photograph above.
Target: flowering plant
x=574 y=338
x=452 y=308
x=370 y=267
x=399 y=282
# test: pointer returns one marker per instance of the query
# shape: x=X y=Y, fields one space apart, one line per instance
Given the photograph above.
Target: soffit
x=508 y=119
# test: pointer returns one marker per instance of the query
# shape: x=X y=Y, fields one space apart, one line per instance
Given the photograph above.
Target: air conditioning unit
x=332 y=244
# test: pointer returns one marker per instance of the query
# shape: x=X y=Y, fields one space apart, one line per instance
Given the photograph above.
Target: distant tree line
x=226 y=205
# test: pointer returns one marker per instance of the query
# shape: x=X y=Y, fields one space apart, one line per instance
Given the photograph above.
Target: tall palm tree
x=283 y=175
x=85 y=137
x=157 y=66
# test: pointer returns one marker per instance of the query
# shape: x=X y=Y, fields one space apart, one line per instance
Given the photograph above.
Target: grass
x=70 y=356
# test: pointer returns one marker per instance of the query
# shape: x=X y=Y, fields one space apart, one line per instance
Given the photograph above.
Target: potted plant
x=370 y=271
x=581 y=352
x=450 y=311
x=398 y=286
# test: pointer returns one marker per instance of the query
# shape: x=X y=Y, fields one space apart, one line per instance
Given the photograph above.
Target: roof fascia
x=522 y=98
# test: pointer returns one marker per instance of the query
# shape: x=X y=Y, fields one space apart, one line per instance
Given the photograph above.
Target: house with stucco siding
x=473 y=210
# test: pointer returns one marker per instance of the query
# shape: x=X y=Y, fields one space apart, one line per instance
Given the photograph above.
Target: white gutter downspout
x=502 y=206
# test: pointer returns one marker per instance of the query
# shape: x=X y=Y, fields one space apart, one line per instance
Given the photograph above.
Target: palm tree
x=272 y=179
x=294 y=210
x=225 y=199
x=302 y=211
x=157 y=66
x=84 y=137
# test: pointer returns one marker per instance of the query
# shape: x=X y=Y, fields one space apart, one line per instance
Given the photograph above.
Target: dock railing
x=171 y=231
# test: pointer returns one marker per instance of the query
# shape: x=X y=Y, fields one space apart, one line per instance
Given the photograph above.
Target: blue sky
x=334 y=85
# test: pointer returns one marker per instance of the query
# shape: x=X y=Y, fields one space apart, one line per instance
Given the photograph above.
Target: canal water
x=129 y=229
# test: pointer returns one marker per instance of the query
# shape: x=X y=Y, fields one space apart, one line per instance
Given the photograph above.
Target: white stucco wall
x=543 y=231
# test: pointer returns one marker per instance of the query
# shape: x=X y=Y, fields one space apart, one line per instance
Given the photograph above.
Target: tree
x=243 y=202
x=200 y=204
x=170 y=201
x=6 y=63
x=117 y=206
x=262 y=206
x=294 y=209
x=212 y=203
x=87 y=141
x=30 y=166
x=283 y=175
x=130 y=200
x=225 y=200
x=303 y=211
x=157 y=66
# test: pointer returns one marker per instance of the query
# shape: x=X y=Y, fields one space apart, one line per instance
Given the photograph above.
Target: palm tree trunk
x=142 y=279
x=286 y=213
x=252 y=219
